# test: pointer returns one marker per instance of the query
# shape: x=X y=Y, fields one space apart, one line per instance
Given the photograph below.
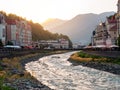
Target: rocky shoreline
x=22 y=83
x=32 y=84
x=108 y=67
x=27 y=84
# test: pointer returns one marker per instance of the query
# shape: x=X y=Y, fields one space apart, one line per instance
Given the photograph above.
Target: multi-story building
x=64 y=43
x=57 y=44
x=18 y=32
x=25 y=34
x=2 y=29
x=107 y=33
x=111 y=24
x=11 y=31
x=118 y=18
x=100 y=35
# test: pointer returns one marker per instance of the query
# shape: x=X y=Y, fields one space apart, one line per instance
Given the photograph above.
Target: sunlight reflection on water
x=59 y=74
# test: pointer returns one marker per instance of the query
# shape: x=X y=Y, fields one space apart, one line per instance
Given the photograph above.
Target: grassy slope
x=83 y=57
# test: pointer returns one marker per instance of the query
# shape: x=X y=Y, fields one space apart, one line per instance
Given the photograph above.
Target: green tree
x=1 y=44
x=119 y=41
x=90 y=44
x=9 y=43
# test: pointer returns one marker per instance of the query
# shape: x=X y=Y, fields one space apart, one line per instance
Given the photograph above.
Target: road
x=57 y=73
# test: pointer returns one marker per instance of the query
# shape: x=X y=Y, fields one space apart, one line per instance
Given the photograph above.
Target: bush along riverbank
x=13 y=75
x=111 y=65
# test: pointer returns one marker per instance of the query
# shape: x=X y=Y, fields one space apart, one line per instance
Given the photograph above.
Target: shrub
x=3 y=86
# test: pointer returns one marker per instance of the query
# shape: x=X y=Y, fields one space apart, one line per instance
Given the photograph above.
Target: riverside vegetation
x=13 y=75
x=111 y=65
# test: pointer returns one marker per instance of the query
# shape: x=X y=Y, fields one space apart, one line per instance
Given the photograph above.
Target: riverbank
x=108 y=65
x=14 y=76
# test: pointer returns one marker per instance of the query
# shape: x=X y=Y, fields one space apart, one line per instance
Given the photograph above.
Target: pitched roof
x=118 y=1
x=114 y=28
x=11 y=22
x=112 y=20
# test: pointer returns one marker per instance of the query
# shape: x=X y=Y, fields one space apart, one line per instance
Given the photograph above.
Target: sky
x=41 y=10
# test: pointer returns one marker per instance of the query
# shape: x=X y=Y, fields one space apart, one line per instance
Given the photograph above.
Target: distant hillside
x=52 y=23
x=80 y=28
x=38 y=32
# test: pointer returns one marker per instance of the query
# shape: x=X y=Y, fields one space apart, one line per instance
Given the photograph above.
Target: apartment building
x=107 y=33
x=2 y=29
x=25 y=34
x=111 y=25
x=100 y=35
x=17 y=31
x=11 y=31
x=118 y=18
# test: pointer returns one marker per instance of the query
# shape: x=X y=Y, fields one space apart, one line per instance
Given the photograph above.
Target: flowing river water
x=57 y=73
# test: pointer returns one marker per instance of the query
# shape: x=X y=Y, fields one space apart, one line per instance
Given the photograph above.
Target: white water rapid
x=57 y=73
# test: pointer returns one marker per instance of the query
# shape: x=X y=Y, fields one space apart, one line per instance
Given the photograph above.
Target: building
x=57 y=44
x=11 y=31
x=18 y=32
x=2 y=29
x=100 y=35
x=25 y=34
x=111 y=24
x=106 y=34
x=118 y=18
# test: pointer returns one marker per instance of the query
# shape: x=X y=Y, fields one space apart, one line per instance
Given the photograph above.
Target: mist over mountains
x=79 y=28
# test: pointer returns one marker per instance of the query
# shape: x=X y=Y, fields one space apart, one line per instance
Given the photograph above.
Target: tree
x=1 y=44
x=9 y=43
x=90 y=44
x=119 y=41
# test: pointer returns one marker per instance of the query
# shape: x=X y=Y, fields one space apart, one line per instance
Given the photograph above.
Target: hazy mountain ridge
x=52 y=23
x=80 y=28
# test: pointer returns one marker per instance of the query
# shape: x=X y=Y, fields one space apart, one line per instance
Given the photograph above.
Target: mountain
x=51 y=23
x=80 y=28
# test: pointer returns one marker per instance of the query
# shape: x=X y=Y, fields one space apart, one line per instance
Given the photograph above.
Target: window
x=114 y=32
x=3 y=32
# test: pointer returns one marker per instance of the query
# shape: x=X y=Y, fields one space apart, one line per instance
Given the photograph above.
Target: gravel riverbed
x=26 y=83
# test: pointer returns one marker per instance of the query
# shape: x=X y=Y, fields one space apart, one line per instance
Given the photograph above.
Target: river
x=57 y=73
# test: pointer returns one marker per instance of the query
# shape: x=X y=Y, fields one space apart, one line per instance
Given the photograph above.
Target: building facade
x=108 y=32
x=24 y=33
x=111 y=24
x=11 y=31
x=118 y=18
x=2 y=29
x=16 y=31
x=56 y=44
x=100 y=35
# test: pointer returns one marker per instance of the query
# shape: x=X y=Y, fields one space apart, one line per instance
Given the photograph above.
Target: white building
x=57 y=44
x=118 y=18
x=2 y=29
x=100 y=35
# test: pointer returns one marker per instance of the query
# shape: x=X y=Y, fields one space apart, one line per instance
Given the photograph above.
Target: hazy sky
x=40 y=10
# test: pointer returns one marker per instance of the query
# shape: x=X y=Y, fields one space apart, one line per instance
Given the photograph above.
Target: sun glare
x=40 y=10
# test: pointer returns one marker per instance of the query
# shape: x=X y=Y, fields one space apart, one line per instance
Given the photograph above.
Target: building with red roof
x=18 y=32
